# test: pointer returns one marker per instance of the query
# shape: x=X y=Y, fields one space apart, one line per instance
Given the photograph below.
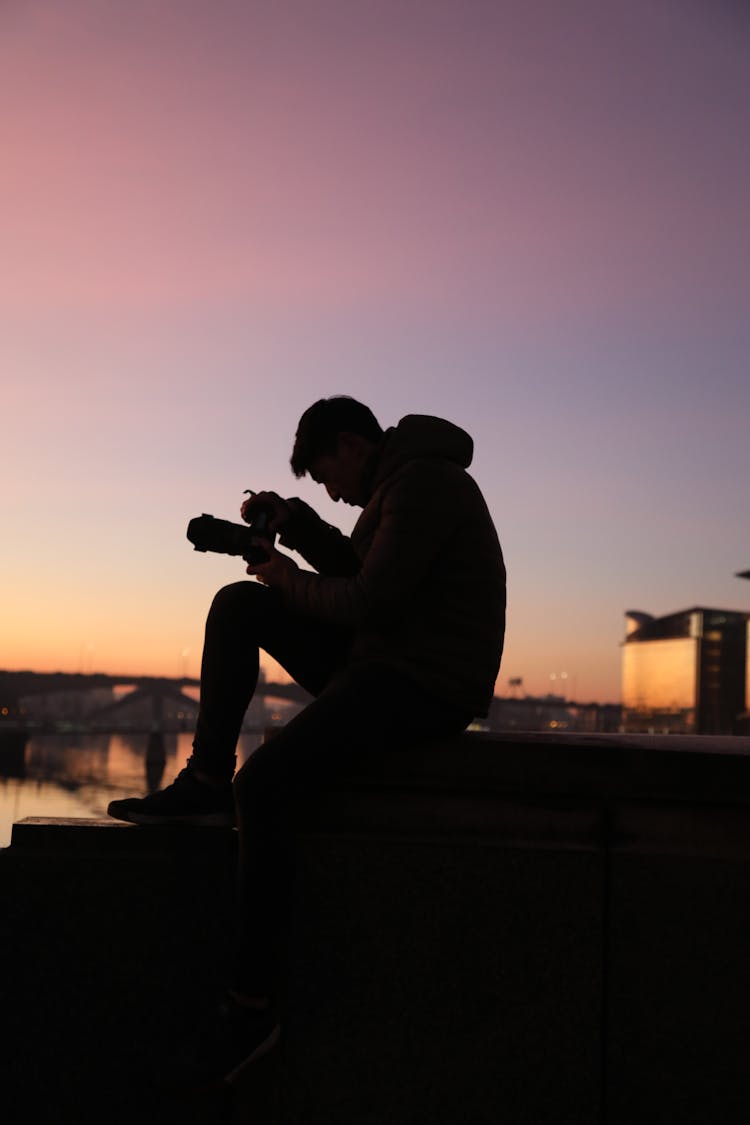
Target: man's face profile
x=341 y=471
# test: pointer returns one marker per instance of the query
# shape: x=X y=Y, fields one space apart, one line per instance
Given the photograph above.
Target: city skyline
x=528 y=220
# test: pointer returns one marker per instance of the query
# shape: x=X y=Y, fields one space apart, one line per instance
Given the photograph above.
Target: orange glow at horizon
x=529 y=219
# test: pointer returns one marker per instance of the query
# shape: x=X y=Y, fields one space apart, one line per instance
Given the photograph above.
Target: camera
x=207 y=533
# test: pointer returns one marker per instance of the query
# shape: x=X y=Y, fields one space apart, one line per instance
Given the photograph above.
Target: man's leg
x=365 y=705
x=243 y=618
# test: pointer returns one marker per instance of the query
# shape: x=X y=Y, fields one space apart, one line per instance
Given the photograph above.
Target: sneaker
x=186 y=801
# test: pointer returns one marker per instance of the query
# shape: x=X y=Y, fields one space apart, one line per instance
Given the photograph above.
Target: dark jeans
x=362 y=704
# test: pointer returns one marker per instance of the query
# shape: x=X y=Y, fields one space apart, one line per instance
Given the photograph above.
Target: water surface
x=77 y=775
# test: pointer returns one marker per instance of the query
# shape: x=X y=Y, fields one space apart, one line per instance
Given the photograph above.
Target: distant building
x=687 y=672
x=550 y=712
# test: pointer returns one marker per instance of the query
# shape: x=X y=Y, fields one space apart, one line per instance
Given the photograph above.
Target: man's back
x=428 y=596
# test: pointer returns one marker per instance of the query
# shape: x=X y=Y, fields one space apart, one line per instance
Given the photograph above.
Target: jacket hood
x=418 y=436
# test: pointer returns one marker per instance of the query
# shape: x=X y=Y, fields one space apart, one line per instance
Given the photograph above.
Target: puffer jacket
x=421 y=580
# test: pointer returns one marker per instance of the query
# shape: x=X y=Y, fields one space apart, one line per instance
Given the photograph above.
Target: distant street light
x=563 y=676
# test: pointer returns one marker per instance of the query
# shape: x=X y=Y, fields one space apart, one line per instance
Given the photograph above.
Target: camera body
x=207 y=533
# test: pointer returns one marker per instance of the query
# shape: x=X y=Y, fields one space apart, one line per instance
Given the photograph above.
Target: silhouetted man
x=397 y=633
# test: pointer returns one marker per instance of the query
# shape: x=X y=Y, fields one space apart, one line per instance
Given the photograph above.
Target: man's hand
x=277 y=571
x=257 y=501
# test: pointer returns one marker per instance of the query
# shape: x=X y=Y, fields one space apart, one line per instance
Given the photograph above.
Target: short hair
x=321 y=424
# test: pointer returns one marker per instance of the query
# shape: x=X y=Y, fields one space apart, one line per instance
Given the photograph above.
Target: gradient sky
x=529 y=217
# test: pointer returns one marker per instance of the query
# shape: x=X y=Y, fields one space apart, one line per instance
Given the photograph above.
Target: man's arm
x=413 y=529
x=320 y=543
x=301 y=529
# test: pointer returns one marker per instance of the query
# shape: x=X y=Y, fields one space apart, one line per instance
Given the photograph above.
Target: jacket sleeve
x=414 y=526
x=320 y=544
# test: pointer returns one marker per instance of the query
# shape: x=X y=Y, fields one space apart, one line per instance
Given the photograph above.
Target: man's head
x=335 y=440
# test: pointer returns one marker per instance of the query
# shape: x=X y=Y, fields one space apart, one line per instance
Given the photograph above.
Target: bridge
x=157 y=691
x=512 y=713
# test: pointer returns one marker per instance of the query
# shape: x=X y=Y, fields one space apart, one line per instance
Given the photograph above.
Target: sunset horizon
x=527 y=220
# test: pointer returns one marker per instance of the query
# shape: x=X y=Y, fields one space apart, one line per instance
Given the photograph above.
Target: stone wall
x=527 y=929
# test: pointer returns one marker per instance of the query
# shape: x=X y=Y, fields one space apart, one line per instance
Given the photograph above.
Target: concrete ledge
x=105 y=835
x=538 y=930
x=602 y=766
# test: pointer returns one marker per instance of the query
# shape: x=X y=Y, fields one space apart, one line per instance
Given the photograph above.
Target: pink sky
x=528 y=219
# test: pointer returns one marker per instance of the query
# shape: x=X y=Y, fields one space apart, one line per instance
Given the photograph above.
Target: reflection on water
x=79 y=774
x=156 y=760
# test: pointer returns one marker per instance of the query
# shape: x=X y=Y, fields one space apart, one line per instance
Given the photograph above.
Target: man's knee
x=242 y=598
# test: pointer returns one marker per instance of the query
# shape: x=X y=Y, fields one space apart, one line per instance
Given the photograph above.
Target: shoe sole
x=198 y=820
